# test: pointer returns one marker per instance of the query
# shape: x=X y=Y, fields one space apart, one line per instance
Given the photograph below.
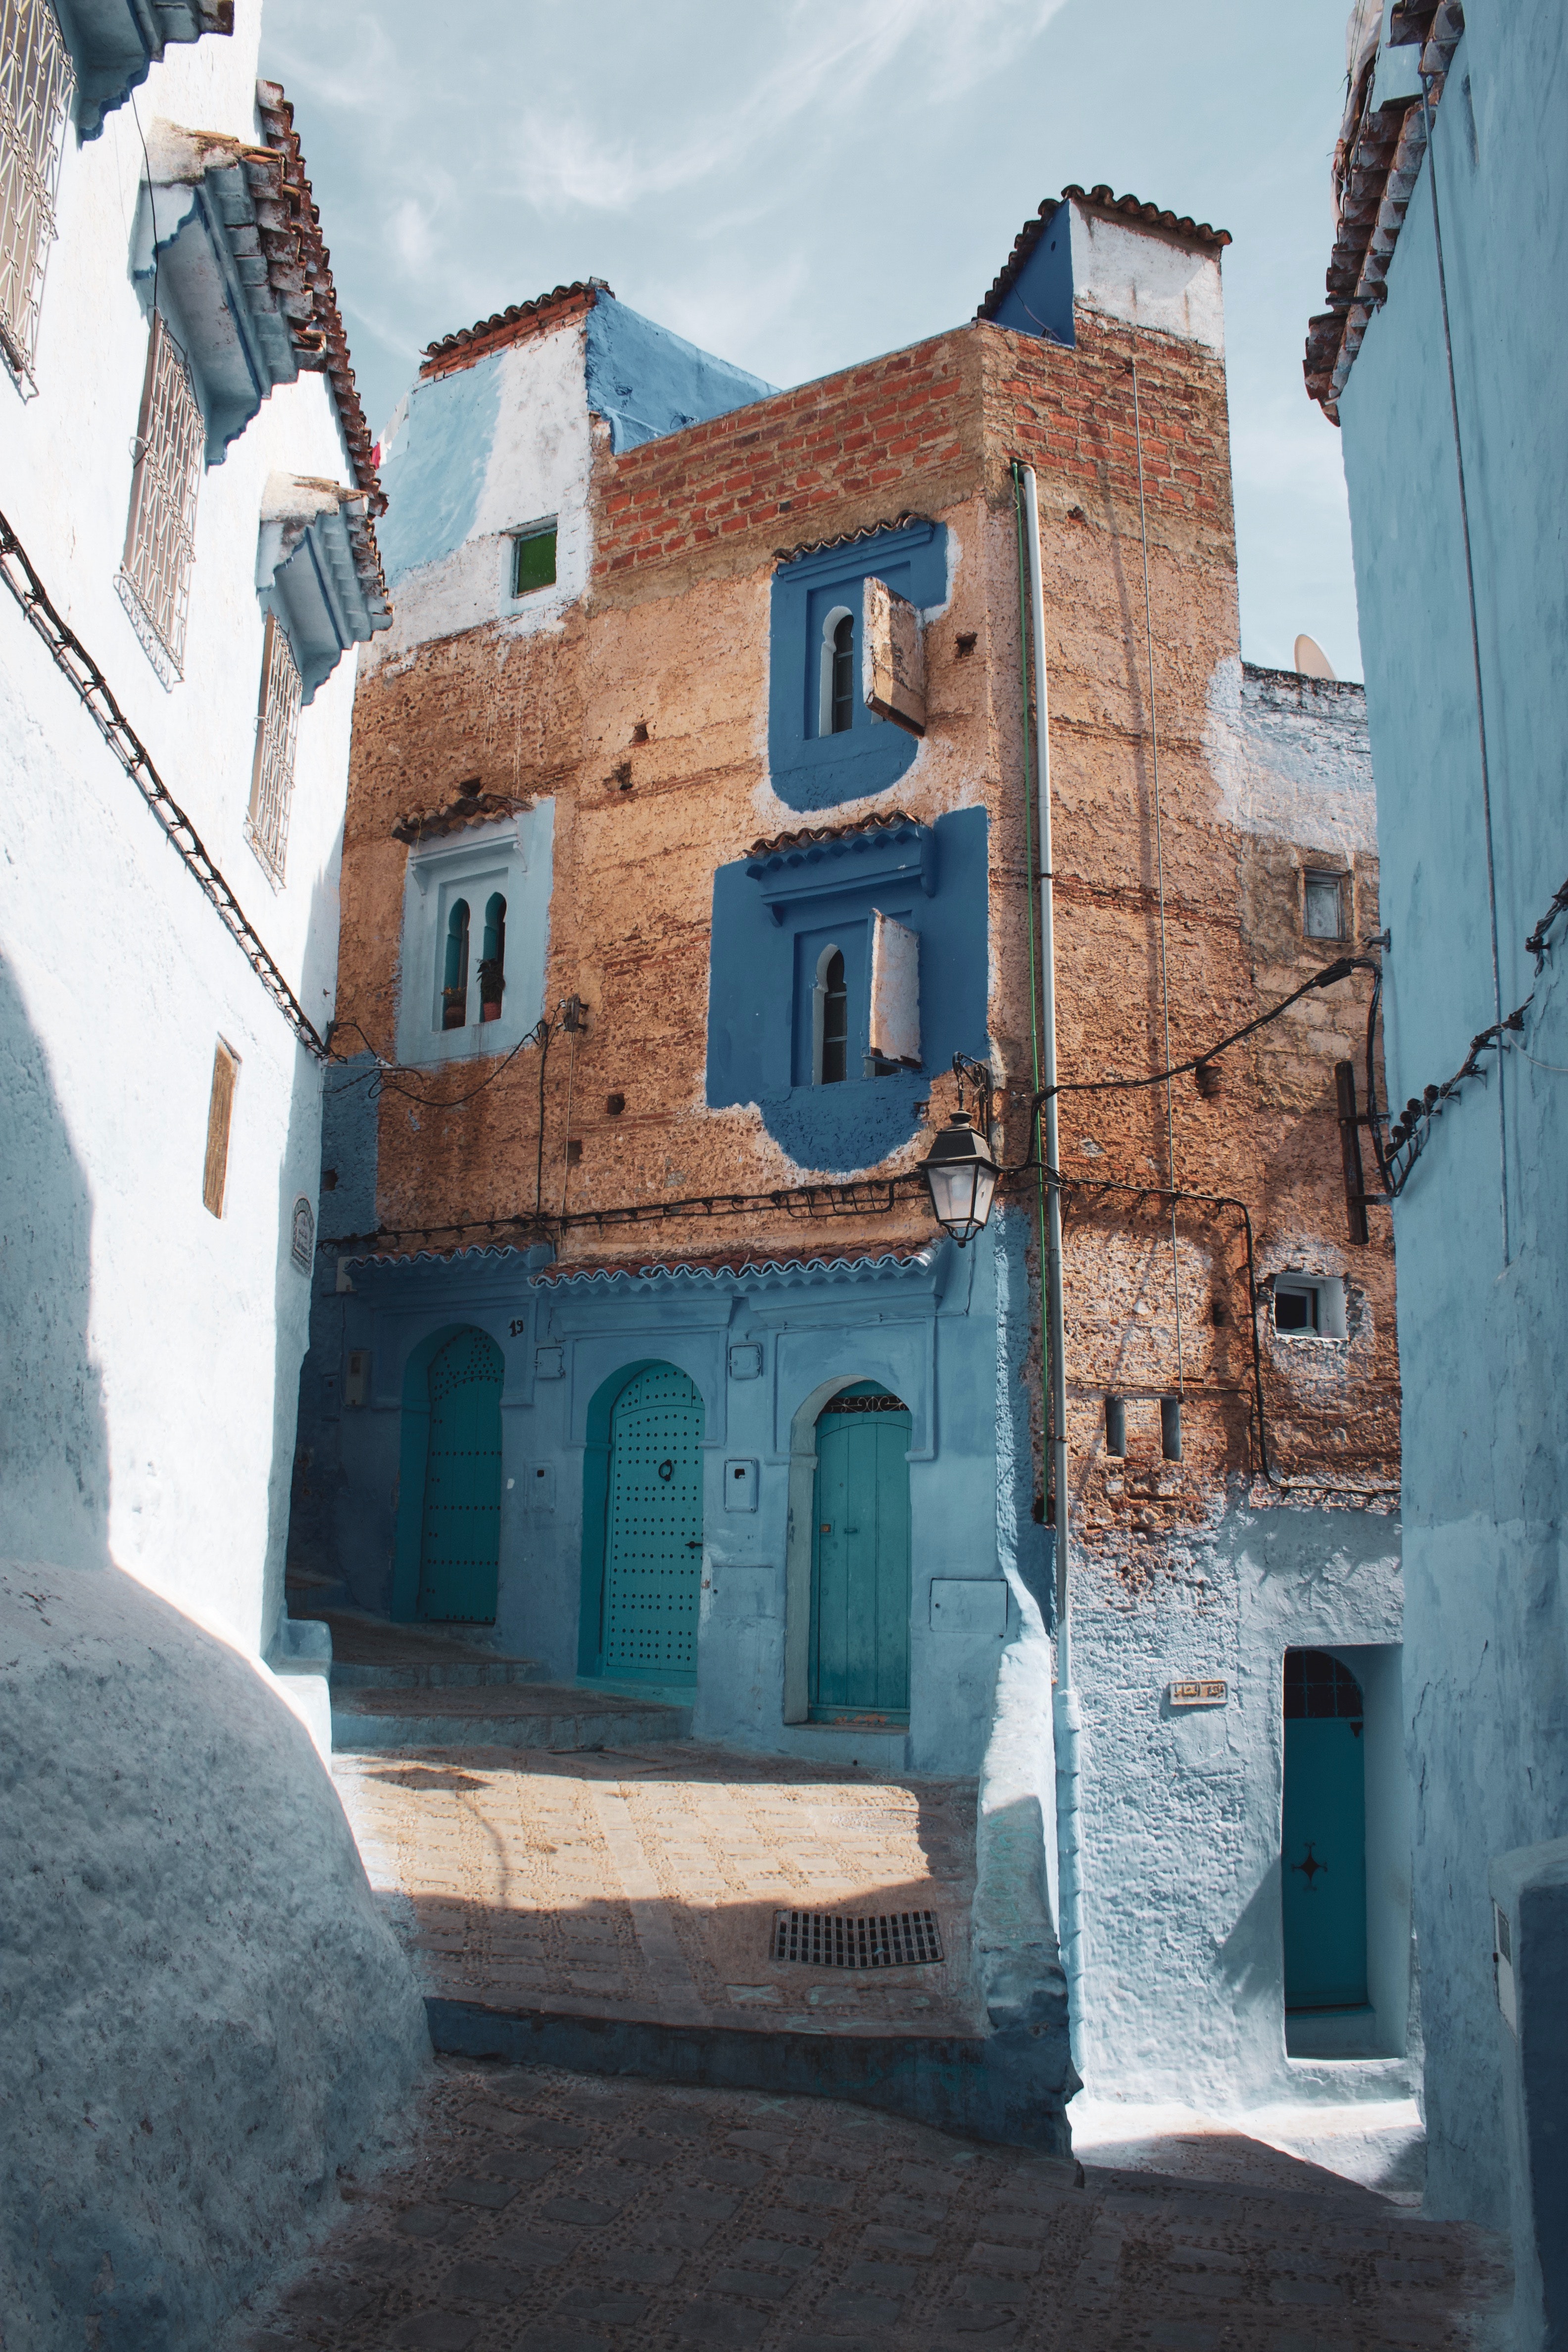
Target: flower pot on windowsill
x=454 y=1008
x=490 y=986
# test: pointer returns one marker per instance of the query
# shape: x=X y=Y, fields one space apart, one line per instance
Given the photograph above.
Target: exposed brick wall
x=834 y=456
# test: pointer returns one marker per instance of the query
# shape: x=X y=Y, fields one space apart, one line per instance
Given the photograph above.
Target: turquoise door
x=460 y=1546
x=860 y=1557
x=653 y=1528
x=1324 y=1896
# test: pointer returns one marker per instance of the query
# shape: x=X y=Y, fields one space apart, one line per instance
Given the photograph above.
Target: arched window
x=830 y=1023
x=455 y=971
x=492 y=959
x=835 y=706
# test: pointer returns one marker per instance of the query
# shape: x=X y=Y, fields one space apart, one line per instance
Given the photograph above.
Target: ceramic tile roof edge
x=513 y=315
x=846 y=538
x=278 y=121
x=1377 y=164
x=1103 y=199
x=900 y=1261
x=810 y=836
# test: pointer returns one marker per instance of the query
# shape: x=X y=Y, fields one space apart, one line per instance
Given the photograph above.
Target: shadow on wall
x=53 y=1449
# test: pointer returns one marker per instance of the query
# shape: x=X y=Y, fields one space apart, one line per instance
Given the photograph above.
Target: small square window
x=533 y=561
x=1325 y=906
x=1310 y=1306
x=1295 y=1307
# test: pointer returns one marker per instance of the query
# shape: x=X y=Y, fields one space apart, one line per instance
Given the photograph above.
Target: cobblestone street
x=540 y=2212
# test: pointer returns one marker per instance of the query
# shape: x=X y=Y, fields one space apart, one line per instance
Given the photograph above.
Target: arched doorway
x=652 y=1576
x=459 y=1529
x=1324 y=1835
x=859 y=1656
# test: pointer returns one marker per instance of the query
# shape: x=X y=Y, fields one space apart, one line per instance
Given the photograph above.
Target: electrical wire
x=1158 y=864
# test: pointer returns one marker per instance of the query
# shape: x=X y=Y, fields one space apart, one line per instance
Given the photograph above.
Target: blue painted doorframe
x=1323 y=1897
x=860 y=1558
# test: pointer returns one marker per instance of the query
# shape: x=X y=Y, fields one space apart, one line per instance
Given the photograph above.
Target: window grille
x=161 y=539
x=276 y=730
x=35 y=84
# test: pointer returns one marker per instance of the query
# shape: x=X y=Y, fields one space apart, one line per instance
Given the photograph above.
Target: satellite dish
x=1311 y=661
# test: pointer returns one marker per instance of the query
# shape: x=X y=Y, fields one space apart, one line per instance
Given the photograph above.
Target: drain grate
x=821 y=1939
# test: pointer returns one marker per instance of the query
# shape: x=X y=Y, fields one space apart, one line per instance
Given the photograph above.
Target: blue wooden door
x=459 y=1547
x=860 y=1557
x=1324 y=1893
x=653 y=1528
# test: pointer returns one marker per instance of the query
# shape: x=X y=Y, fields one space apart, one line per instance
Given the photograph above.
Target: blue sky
x=797 y=185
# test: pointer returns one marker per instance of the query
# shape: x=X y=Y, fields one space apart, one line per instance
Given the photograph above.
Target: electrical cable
x=76 y=664
x=1159 y=863
x=1027 y=699
x=1341 y=969
x=1475 y=649
x=566 y=1156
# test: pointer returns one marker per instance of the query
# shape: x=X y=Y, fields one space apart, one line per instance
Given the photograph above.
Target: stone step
x=436 y=1674
x=527 y=1714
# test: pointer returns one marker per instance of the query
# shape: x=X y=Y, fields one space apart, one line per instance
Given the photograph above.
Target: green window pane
x=533 y=566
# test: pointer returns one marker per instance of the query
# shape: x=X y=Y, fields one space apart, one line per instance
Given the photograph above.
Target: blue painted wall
x=645 y=382
x=938 y=1332
x=1040 y=300
x=434 y=470
x=760 y=983
x=1483 y=1348
x=809 y=770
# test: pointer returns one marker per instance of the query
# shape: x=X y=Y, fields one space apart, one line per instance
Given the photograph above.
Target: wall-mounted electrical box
x=356 y=1384
x=739 y=1486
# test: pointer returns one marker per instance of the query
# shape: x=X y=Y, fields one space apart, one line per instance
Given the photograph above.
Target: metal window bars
x=272 y=772
x=161 y=537
x=36 y=80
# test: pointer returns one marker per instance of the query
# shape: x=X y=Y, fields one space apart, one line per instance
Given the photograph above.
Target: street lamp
x=960 y=1177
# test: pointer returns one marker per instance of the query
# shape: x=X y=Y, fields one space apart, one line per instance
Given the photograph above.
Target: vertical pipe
x=1055 y=1321
x=1476 y=659
x=1067 y=1713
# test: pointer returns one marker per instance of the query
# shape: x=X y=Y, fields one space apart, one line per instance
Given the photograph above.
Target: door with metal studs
x=653 y=1528
x=1323 y=1897
x=459 y=1548
x=860 y=1662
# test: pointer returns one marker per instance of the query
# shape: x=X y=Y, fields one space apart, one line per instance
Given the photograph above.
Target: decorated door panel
x=459 y=1549
x=860 y=1662
x=1324 y=1835
x=653 y=1530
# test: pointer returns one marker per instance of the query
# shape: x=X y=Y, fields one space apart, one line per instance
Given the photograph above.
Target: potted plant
x=491 y=983
x=454 y=1007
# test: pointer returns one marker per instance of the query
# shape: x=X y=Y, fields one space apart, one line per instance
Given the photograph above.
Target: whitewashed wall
x=150 y=1352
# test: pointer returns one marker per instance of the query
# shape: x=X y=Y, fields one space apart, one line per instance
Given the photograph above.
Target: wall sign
x=1199 y=1694
x=302 y=1242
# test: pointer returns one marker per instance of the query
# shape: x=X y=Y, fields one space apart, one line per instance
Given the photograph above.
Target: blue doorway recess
x=1324 y=1835
x=860 y=1662
x=459 y=1532
x=653 y=1529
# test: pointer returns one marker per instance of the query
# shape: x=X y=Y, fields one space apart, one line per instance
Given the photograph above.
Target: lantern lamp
x=960 y=1177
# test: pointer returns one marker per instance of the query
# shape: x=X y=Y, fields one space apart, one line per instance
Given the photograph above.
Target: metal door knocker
x=666 y=1470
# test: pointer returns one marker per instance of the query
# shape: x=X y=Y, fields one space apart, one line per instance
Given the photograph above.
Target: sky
x=797 y=185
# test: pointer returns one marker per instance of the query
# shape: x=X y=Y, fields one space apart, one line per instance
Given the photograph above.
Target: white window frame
x=36 y=81
x=155 y=581
x=825 y=671
x=276 y=742
x=514 y=855
x=1327 y=1292
x=1321 y=877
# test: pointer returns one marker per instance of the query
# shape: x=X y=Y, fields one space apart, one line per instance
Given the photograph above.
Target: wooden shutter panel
x=895 y=1028
x=220 y=1110
x=892 y=657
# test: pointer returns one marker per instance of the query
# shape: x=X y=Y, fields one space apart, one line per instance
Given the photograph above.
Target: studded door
x=459 y=1549
x=859 y=1660
x=653 y=1529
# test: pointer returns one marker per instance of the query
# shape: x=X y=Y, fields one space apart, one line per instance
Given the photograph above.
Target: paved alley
x=541 y=2212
